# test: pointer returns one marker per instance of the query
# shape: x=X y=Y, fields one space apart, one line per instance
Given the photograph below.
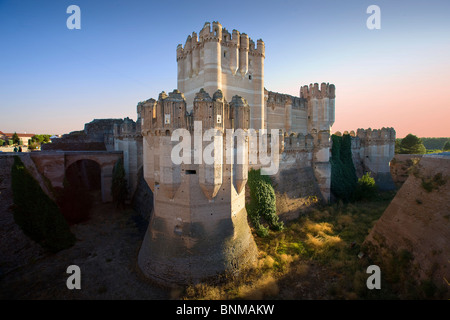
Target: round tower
x=199 y=226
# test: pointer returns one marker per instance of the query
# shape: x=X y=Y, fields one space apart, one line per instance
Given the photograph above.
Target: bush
x=446 y=146
x=38 y=215
x=33 y=146
x=2 y=142
x=366 y=188
x=262 y=204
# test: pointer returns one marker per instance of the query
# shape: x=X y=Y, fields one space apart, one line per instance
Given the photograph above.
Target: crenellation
x=233 y=63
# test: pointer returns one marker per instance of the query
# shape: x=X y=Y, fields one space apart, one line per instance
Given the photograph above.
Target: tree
x=366 y=187
x=411 y=144
x=397 y=145
x=15 y=138
x=446 y=146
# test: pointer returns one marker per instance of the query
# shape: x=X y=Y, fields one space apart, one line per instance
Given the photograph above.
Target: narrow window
x=250 y=77
x=191 y=171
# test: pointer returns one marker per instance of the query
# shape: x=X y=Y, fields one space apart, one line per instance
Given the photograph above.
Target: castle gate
x=54 y=164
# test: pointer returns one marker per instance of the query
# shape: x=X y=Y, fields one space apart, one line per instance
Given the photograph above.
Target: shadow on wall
x=82 y=189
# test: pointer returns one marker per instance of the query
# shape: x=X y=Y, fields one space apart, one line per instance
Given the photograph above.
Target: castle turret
x=240 y=113
x=320 y=120
x=199 y=224
x=243 y=54
x=233 y=46
x=210 y=114
x=377 y=148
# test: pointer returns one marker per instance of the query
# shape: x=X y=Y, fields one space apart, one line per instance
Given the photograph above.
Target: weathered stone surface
x=199 y=224
x=372 y=151
x=418 y=220
x=400 y=166
x=142 y=200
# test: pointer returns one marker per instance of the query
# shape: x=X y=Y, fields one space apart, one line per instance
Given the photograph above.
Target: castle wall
x=286 y=112
x=377 y=148
x=129 y=141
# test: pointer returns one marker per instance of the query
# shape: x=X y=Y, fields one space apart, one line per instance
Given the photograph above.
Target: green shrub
x=38 y=215
x=446 y=146
x=2 y=142
x=366 y=188
x=433 y=183
x=33 y=146
x=262 y=204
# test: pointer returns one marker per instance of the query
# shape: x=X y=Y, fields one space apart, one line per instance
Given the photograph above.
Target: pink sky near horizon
x=413 y=106
x=393 y=77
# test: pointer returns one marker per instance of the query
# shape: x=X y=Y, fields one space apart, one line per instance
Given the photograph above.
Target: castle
x=198 y=226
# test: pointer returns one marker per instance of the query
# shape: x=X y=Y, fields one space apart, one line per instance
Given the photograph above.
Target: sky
x=53 y=80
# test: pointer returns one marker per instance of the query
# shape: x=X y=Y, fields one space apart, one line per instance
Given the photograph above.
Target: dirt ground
x=106 y=252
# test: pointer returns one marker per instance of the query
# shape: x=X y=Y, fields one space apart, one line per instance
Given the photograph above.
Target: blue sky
x=53 y=80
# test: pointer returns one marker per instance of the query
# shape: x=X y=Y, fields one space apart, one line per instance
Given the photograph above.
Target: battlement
x=216 y=59
x=383 y=134
x=281 y=99
x=126 y=129
x=298 y=142
x=162 y=116
x=216 y=33
x=326 y=91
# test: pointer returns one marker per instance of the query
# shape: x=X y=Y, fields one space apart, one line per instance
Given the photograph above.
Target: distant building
x=24 y=137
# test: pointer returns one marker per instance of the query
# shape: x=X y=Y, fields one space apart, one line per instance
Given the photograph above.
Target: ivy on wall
x=262 y=206
x=343 y=173
x=37 y=214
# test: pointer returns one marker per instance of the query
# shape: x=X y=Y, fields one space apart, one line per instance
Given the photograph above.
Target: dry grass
x=331 y=235
x=265 y=287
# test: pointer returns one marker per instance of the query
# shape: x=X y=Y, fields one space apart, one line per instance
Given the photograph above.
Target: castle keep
x=199 y=224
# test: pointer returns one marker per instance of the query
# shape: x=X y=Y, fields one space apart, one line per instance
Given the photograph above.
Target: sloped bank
x=415 y=228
